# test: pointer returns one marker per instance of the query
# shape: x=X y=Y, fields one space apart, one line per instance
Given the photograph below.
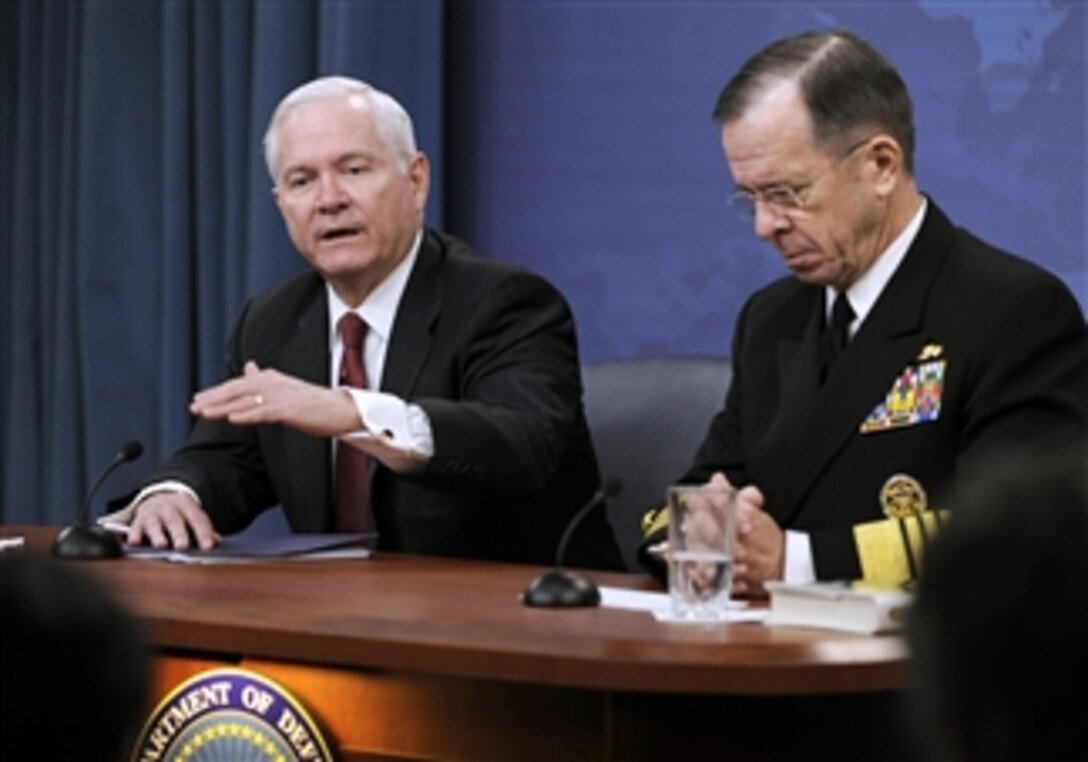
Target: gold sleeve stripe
x=890 y=551
x=655 y=520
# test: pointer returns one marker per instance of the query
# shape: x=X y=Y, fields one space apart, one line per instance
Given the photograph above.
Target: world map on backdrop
x=662 y=266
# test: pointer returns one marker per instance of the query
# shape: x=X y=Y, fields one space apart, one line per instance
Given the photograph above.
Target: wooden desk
x=421 y=658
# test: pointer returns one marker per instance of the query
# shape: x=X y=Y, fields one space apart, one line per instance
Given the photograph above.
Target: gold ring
x=258 y=399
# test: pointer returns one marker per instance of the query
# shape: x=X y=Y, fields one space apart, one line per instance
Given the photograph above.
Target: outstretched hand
x=269 y=396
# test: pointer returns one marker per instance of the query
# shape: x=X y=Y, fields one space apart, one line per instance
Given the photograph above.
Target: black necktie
x=352 y=464
x=835 y=335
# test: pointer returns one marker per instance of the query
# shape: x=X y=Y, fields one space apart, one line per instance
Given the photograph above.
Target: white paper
x=731 y=616
x=11 y=543
x=634 y=600
x=660 y=606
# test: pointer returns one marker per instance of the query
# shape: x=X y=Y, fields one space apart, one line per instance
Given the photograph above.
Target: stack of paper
x=249 y=548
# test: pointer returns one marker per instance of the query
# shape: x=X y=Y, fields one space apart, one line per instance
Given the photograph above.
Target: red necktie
x=352 y=464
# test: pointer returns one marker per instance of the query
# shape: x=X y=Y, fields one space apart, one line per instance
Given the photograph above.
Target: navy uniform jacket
x=968 y=349
x=489 y=351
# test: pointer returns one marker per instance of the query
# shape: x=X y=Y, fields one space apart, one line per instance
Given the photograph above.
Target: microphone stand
x=559 y=588
x=86 y=541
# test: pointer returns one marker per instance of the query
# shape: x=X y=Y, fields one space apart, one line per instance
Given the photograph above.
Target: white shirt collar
x=379 y=309
x=864 y=293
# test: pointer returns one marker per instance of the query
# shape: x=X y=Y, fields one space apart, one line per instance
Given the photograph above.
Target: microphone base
x=561 y=589
x=80 y=542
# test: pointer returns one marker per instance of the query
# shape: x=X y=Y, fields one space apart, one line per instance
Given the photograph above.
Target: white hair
x=392 y=122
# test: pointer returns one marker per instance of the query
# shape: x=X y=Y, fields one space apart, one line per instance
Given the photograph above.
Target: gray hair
x=391 y=120
x=847 y=85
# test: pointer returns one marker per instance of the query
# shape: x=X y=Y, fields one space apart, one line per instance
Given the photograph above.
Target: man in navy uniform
x=902 y=349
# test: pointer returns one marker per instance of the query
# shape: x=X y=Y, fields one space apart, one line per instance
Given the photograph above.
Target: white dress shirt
x=384 y=414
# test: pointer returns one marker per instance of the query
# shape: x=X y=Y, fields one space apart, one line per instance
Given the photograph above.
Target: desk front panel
x=401 y=657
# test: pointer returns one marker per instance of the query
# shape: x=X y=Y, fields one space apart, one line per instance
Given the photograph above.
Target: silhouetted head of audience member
x=75 y=665
x=999 y=629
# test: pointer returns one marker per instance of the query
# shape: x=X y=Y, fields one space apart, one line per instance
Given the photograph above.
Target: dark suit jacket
x=489 y=352
x=1016 y=372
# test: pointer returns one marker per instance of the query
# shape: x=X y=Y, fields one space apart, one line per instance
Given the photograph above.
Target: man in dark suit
x=462 y=431
x=846 y=419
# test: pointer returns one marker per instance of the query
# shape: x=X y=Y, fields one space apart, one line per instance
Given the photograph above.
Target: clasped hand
x=759 y=552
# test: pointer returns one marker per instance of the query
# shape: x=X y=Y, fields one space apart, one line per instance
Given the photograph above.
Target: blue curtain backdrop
x=572 y=137
x=137 y=213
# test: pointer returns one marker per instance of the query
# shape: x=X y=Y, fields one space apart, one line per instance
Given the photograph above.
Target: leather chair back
x=647 y=416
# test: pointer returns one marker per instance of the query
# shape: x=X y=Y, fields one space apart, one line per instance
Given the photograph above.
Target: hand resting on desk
x=166 y=519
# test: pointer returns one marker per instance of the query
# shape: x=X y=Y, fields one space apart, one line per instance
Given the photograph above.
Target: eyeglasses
x=784 y=199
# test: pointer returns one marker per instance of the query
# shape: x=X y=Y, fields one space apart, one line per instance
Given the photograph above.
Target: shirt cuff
x=799 y=568
x=166 y=486
x=401 y=423
x=119 y=520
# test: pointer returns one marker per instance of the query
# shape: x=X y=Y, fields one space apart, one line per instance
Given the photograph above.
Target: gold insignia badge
x=903 y=496
x=930 y=352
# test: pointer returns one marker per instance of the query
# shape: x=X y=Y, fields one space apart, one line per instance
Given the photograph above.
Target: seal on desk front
x=230 y=714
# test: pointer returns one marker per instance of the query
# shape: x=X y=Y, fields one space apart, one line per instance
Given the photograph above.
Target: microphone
x=85 y=541
x=558 y=588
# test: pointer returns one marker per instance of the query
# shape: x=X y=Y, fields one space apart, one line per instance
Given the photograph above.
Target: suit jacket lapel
x=797 y=390
x=887 y=342
x=411 y=340
x=798 y=380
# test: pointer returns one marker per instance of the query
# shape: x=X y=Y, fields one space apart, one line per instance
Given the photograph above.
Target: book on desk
x=837 y=606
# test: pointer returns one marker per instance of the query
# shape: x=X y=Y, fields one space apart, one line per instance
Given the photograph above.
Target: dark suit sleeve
x=722 y=449
x=508 y=427
x=1031 y=383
